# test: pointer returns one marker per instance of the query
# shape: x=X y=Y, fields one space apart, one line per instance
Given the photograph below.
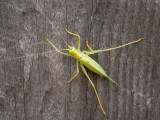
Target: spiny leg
x=84 y=71
x=109 y=49
x=75 y=74
x=79 y=43
x=56 y=48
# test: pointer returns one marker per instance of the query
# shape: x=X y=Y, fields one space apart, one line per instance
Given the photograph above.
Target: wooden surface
x=35 y=87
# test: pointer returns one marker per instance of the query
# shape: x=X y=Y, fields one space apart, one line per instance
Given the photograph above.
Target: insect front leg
x=84 y=71
x=79 y=41
x=56 y=48
x=76 y=73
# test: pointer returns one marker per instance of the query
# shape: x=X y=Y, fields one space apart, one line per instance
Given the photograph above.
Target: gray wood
x=35 y=87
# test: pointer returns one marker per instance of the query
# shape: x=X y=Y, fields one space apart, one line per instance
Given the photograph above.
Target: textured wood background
x=35 y=87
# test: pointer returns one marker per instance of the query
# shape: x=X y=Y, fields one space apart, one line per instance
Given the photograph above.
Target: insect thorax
x=76 y=53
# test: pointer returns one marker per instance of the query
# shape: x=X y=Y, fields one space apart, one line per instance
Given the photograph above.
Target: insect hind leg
x=84 y=71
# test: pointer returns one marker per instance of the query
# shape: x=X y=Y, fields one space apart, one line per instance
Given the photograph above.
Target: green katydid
x=83 y=57
x=85 y=60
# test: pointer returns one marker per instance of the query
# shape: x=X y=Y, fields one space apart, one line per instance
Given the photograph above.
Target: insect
x=83 y=58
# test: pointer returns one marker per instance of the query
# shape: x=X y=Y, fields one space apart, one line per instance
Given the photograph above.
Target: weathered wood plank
x=36 y=87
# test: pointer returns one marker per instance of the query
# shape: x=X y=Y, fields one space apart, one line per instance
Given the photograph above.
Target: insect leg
x=109 y=49
x=56 y=48
x=89 y=47
x=75 y=74
x=84 y=71
x=79 y=43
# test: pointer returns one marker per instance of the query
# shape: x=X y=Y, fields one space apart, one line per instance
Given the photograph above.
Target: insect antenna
x=25 y=56
x=28 y=55
x=51 y=22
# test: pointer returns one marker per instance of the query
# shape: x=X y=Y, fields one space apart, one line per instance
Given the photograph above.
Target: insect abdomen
x=92 y=65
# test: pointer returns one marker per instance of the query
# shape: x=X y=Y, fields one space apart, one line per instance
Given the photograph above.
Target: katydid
x=85 y=60
x=83 y=57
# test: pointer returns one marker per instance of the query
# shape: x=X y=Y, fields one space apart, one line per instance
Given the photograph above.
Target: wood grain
x=35 y=87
